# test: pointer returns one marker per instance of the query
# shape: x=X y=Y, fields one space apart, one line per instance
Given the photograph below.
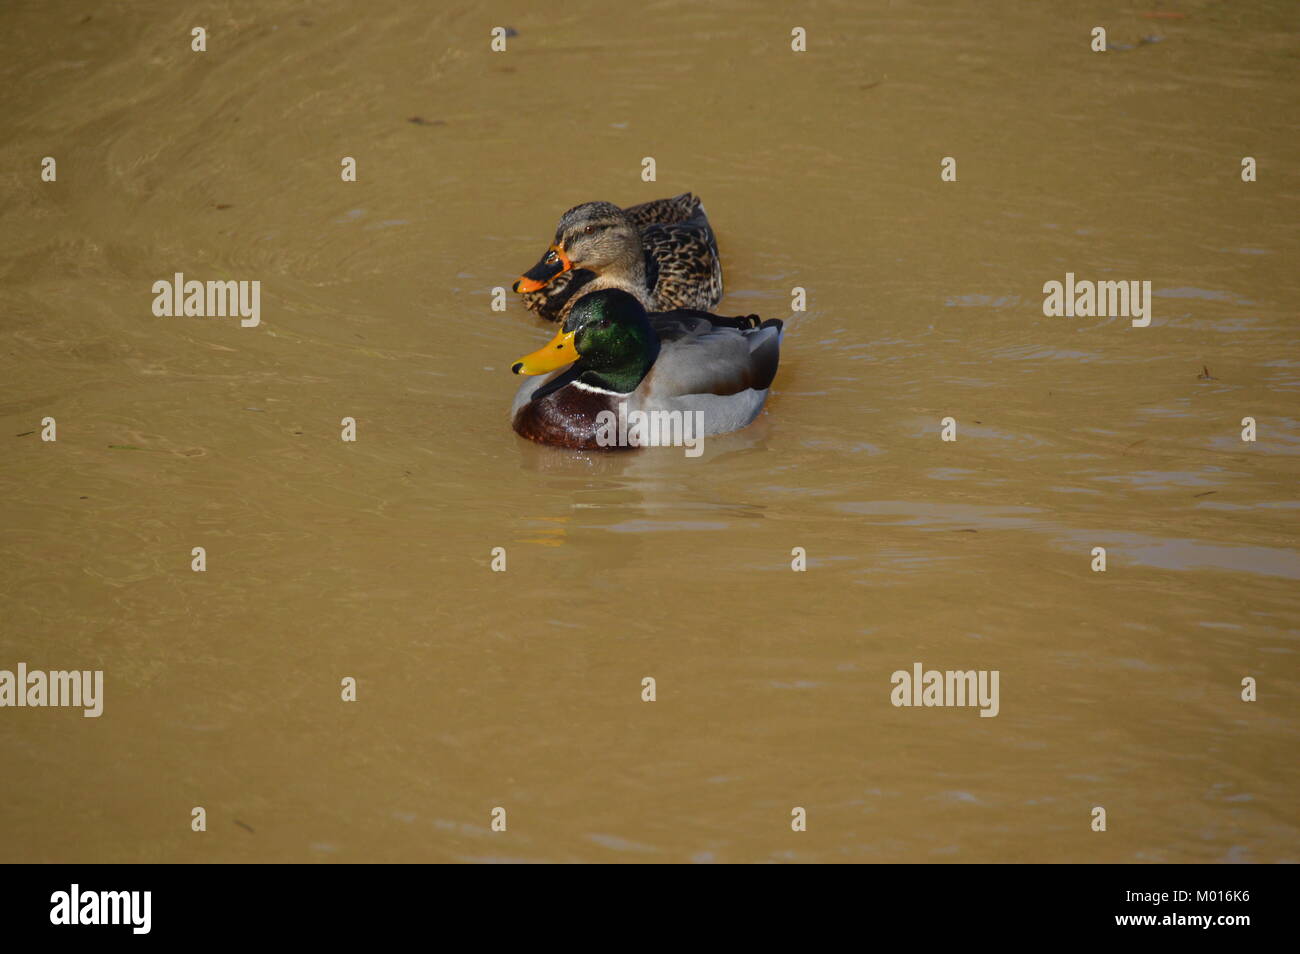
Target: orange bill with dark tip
x=551 y=356
x=553 y=263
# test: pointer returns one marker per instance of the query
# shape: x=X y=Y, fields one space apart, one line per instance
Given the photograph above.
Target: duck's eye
x=551 y=259
x=588 y=230
x=603 y=323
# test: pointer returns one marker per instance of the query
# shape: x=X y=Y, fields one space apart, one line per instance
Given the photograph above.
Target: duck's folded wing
x=703 y=358
x=682 y=264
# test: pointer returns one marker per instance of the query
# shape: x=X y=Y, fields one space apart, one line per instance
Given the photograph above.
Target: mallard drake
x=626 y=360
x=663 y=252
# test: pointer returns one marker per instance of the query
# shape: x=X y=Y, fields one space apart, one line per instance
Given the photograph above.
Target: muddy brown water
x=522 y=689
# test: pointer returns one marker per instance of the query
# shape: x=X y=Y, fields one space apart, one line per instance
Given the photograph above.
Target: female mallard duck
x=663 y=252
x=625 y=360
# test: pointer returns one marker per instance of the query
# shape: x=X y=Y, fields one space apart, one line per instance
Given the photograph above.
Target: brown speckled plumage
x=682 y=268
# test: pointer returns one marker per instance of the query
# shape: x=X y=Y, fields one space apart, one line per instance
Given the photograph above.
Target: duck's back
x=680 y=208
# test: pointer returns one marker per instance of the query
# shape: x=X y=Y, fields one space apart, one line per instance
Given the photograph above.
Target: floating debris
x=1125 y=47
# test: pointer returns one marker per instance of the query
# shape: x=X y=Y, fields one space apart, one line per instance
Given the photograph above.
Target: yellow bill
x=556 y=353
